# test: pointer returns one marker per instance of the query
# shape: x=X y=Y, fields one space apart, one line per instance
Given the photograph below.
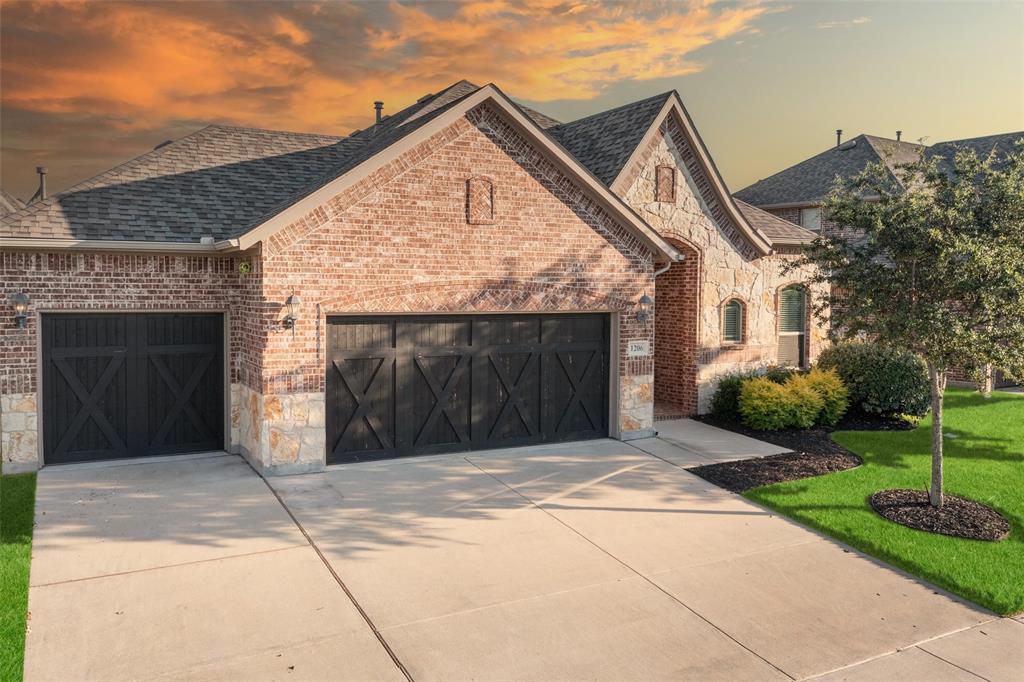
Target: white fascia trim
x=674 y=105
x=46 y=244
x=490 y=94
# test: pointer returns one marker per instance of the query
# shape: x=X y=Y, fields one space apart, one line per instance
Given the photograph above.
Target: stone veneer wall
x=729 y=267
x=19 y=448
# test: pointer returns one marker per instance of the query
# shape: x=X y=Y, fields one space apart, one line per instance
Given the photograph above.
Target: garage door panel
x=512 y=401
x=440 y=392
x=361 y=392
x=108 y=393
x=464 y=382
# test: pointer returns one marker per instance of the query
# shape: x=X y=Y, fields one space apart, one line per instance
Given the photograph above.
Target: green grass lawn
x=984 y=461
x=17 y=504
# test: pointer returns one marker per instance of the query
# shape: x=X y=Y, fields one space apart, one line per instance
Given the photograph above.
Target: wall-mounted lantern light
x=20 y=302
x=643 y=308
x=292 y=317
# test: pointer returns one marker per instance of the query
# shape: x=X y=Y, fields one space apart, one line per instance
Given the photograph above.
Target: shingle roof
x=809 y=181
x=9 y=203
x=777 y=229
x=605 y=141
x=1001 y=144
x=220 y=182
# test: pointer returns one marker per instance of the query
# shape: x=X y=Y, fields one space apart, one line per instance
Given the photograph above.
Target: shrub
x=779 y=374
x=765 y=405
x=881 y=380
x=725 y=404
x=827 y=384
x=804 y=402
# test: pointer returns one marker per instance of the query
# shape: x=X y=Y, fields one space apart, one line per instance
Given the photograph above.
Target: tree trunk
x=938 y=386
x=987 y=381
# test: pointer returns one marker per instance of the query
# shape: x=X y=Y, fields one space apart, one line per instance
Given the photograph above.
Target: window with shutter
x=732 y=325
x=792 y=326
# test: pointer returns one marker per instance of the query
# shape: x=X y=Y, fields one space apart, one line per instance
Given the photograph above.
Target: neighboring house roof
x=604 y=142
x=808 y=182
x=779 y=230
x=1001 y=144
x=9 y=203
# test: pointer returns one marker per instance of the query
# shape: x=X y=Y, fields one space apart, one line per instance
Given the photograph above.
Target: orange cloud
x=317 y=67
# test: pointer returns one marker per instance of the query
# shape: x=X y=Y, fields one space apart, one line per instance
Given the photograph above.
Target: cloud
x=162 y=66
x=846 y=23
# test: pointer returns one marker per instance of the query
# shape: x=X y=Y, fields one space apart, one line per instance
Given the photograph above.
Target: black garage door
x=413 y=385
x=131 y=385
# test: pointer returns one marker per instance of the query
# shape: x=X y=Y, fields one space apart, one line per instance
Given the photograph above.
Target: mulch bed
x=790 y=466
x=957 y=517
x=814 y=453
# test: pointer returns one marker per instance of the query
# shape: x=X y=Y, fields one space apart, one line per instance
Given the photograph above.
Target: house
x=797 y=193
x=465 y=273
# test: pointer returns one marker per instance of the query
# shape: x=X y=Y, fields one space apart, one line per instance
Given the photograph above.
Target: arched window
x=732 y=322
x=792 y=326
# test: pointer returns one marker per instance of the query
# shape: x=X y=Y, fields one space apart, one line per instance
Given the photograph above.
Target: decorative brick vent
x=665 y=187
x=480 y=201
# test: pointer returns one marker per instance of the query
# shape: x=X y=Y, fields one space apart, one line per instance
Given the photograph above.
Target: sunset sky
x=88 y=85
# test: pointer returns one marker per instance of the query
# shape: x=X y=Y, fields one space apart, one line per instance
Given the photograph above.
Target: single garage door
x=412 y=385
x=131 y=385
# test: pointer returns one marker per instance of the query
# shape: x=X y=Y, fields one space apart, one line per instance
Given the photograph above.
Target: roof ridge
x=664 y=95
x=982 y=137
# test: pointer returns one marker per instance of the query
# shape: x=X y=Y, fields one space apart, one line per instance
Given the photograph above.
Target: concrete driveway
x=598 y=560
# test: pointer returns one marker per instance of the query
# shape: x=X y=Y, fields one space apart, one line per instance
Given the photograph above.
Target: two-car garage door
x=408 y=385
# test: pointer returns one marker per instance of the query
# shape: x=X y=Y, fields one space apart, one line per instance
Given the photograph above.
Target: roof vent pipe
x=899 y=134
x=41 y=192
x=379 y=107
x=839 y=136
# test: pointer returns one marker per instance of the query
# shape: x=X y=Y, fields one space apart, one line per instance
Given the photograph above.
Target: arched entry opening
x=676 y=344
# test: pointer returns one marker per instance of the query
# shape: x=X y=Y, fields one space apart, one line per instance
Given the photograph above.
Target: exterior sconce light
x=643 y=308
x=292 y=317
x=20 y=302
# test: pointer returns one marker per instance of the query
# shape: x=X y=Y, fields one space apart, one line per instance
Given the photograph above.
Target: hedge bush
x=766 y=405
x=805 y=403
x=725 y=404
x=834 y=394
x=881 y=380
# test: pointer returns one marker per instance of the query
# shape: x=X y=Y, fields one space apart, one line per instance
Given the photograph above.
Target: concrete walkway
x=598 y=560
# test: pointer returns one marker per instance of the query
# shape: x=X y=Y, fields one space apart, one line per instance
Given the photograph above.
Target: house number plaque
x=638 y=349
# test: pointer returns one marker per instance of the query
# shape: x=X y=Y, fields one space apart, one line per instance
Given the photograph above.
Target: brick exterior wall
x=66 y=281
x=399 y=242
x=729 y=268
x=676 y=333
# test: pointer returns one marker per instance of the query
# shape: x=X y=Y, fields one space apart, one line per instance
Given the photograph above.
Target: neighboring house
x=465 y=273
x=797 y=193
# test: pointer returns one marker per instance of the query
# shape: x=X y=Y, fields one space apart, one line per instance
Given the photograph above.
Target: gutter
x=45 y=244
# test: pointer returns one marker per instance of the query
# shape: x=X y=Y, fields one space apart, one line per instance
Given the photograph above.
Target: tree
x=930 y=257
